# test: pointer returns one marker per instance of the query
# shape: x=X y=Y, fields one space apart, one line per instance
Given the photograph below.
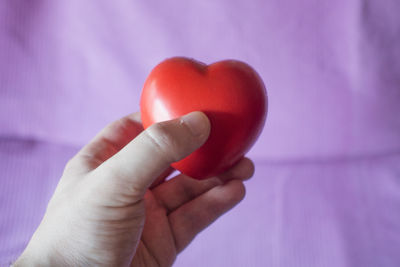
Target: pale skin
x=112 y=206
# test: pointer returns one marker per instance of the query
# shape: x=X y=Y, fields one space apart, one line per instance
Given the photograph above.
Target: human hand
x=113 y=208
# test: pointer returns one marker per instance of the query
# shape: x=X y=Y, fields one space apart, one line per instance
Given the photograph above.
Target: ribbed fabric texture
x=342 y=213
x=331 y=70
x=327 y=186
x=339 y=213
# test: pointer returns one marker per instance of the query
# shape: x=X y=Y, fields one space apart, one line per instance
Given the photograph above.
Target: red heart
x=229 y=92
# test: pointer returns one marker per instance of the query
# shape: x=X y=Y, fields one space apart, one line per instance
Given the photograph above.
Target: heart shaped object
x=229 y=92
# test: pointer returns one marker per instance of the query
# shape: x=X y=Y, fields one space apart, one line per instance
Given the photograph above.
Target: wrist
x=33 y=258
x=40 y=255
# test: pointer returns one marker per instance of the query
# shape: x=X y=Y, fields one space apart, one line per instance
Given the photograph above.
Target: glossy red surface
x=229 y=92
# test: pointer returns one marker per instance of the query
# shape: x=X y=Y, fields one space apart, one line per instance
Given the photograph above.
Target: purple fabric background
x=327 y=185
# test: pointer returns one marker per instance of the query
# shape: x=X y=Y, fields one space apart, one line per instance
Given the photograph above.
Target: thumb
x=134 y=168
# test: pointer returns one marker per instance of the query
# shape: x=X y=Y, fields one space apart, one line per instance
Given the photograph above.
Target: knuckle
x=163 y=141
x=69 y=164
x=190 y=188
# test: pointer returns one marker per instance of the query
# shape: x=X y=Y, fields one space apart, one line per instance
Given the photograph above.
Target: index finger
x=109 y=141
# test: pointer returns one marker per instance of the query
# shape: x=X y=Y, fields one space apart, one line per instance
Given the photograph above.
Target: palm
x=156 y=244
x=179 y=209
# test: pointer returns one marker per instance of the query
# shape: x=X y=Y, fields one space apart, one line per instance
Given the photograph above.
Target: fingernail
x=197 y=123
